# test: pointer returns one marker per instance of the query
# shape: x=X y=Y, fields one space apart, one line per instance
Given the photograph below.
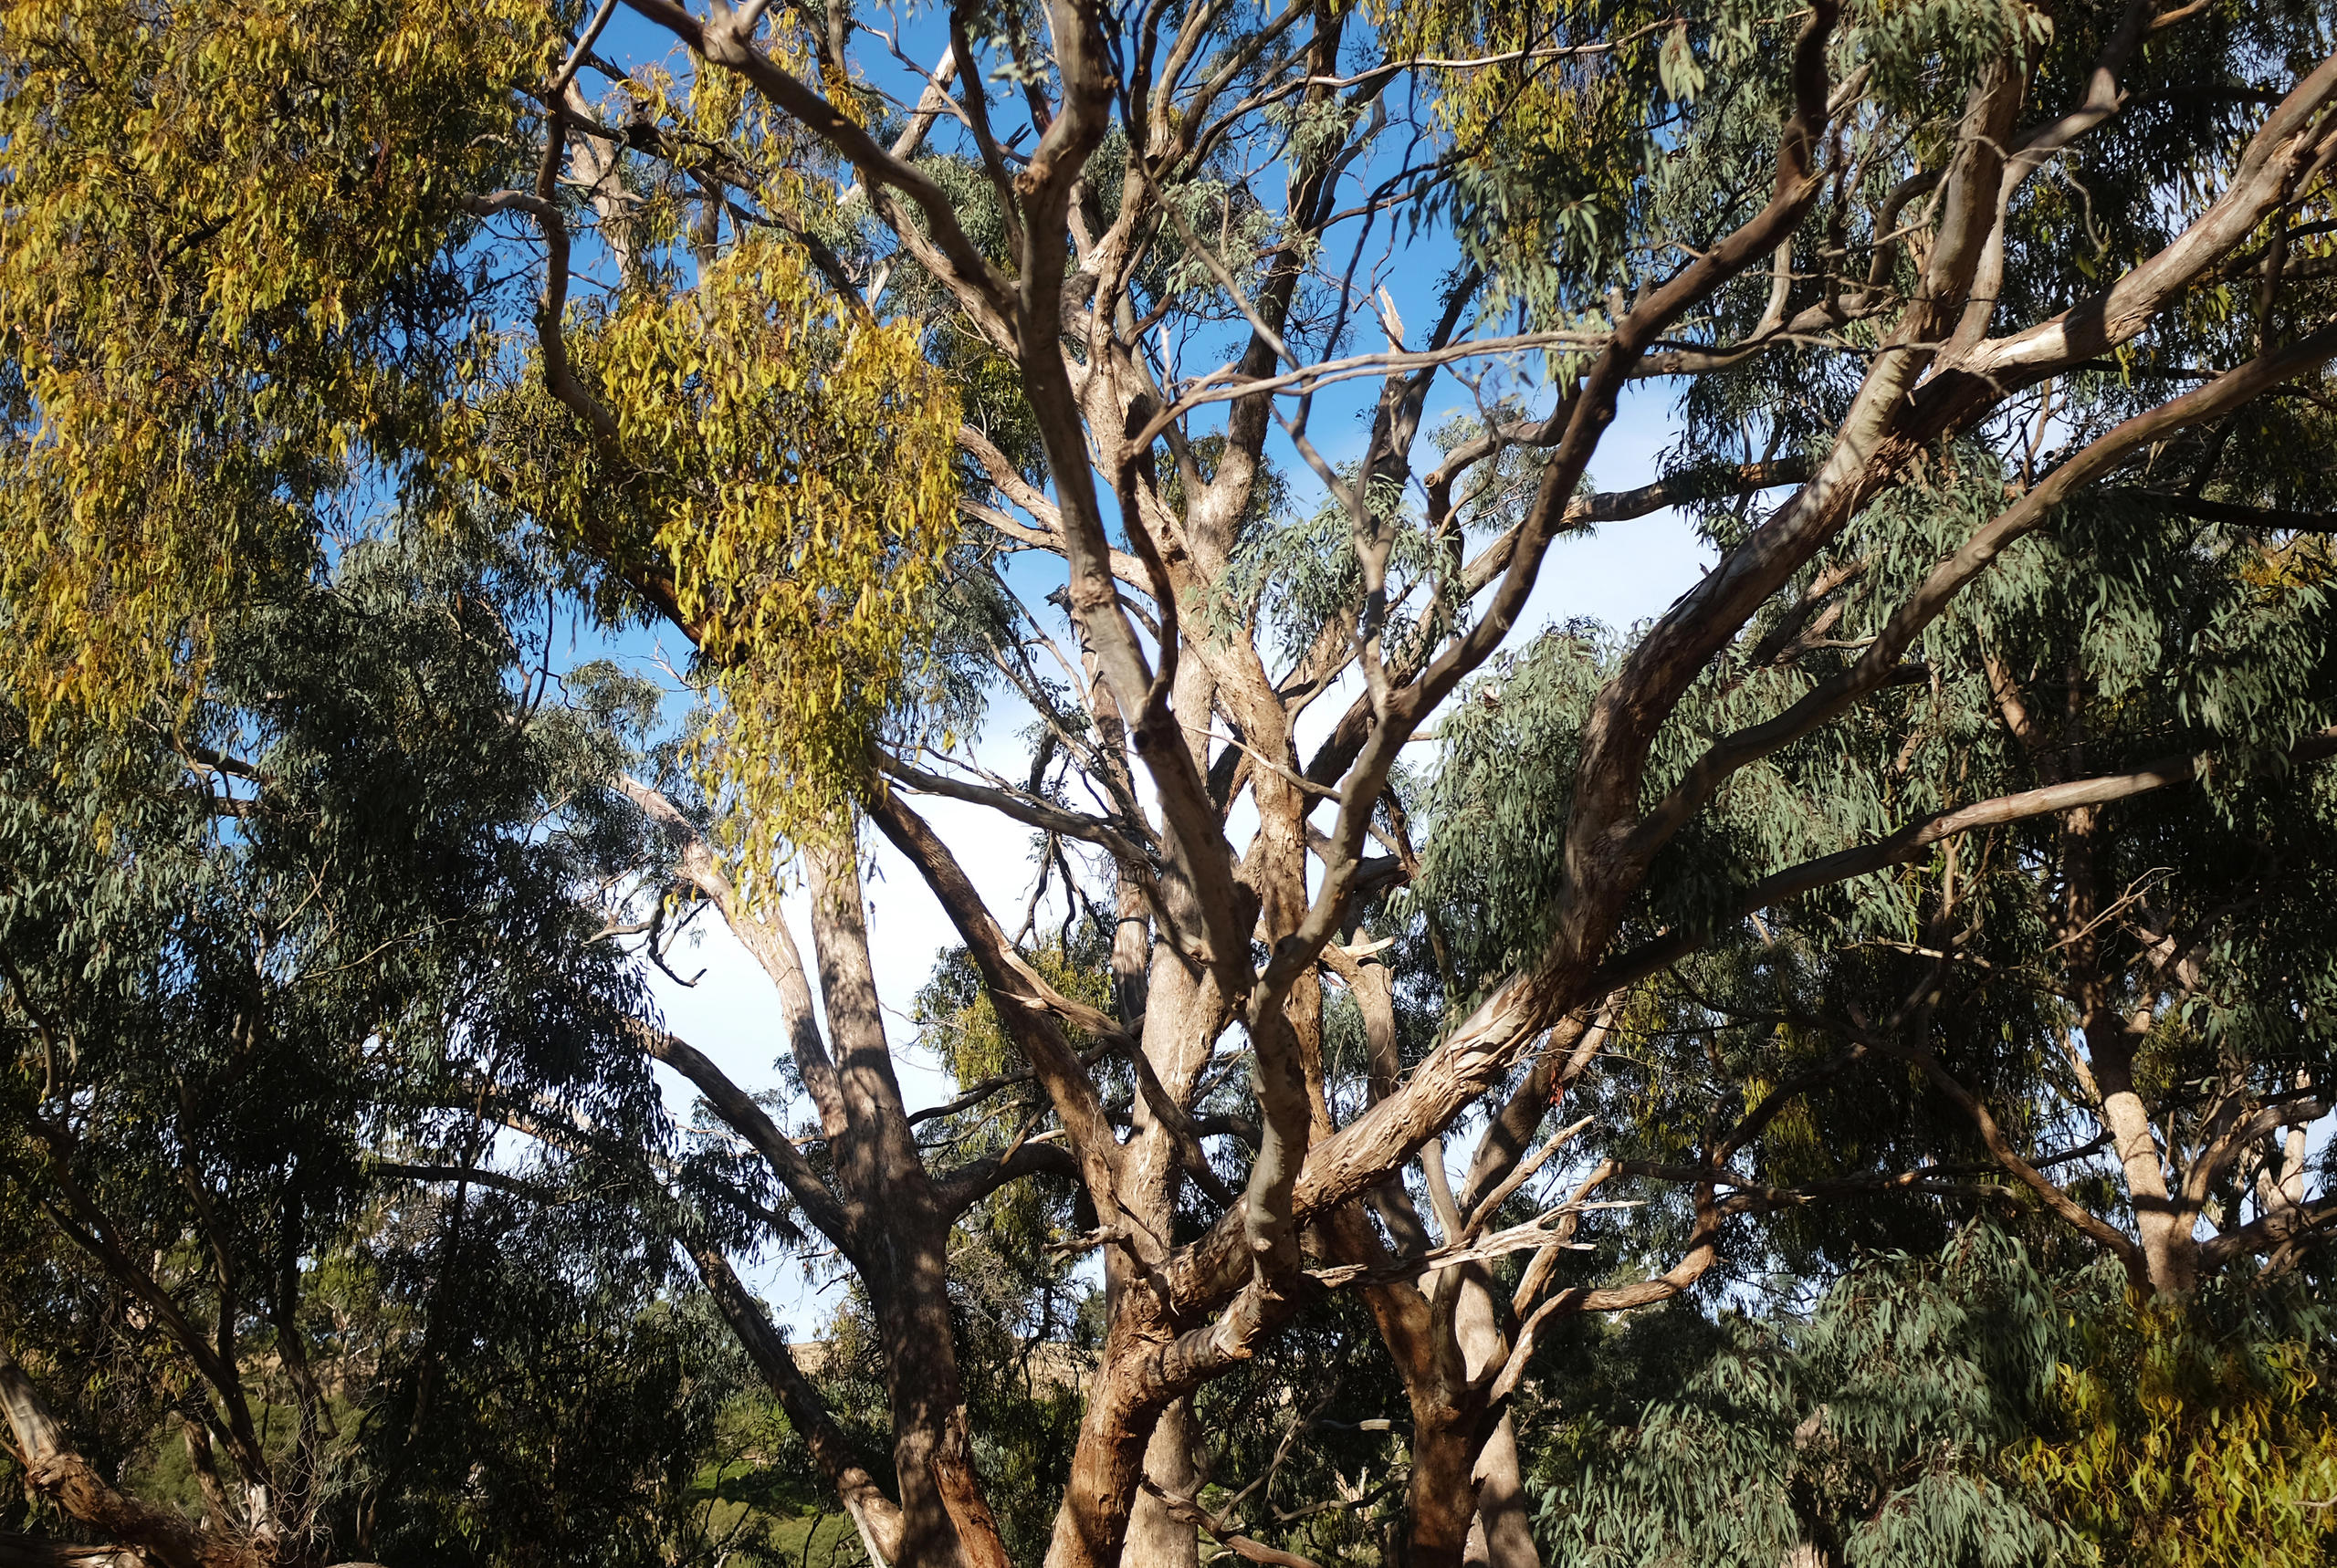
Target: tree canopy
x=1824 y=1074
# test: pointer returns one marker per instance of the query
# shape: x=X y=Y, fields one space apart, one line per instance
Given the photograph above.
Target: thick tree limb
x=838 y=1459
x=2094 y=327
x=964 y=1186
x=2227 y=1134
x=1027 y=1005
x=767 y=939
x=744 y=1115
x=2266 y=519
x=37 y=1551
x=55 y=1468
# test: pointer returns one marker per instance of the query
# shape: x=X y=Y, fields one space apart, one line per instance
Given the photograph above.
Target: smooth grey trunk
x=1180 y=1013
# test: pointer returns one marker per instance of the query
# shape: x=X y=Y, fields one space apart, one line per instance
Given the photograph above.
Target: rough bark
x=1158 y=1537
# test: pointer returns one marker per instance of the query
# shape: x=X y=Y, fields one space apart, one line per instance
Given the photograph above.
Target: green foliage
x=1495 y=825
x=266 y=995
x=1969 y=1409
x=958 y=1021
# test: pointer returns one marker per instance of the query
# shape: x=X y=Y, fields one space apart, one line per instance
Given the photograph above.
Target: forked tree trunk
x=1444 y=1371
x=1107 y=1464
x=1178 y=1013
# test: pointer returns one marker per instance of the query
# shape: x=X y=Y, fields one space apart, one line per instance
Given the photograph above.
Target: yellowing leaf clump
x=782 y=472
x=230 y=232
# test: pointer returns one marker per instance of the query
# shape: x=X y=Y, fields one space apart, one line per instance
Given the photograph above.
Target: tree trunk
x=1441 y=1497
x=1107 y=1464
x=2170 y=1250
x=57 y=1470
x=1450 y=1433
x=1179 y=1013
x=1182 y=1017
x=1157 y=1539
x=901 y=1233
x=1503 y=1535
x=1492 y=1530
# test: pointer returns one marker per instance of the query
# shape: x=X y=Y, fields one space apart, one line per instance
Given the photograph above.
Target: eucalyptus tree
x=2121 y=1011
x=272 y=955
x=844 y=355
x=2102 y=1030
x=2101 y=1033
x=1959 y=1409
x=2116 y=1013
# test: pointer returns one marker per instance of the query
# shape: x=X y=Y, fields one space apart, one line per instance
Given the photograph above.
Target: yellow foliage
x=786 y=467
x=2179 y=1448
x=234 y=282
x=1524 y=101
x=226 y=218
x=2301 y=562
